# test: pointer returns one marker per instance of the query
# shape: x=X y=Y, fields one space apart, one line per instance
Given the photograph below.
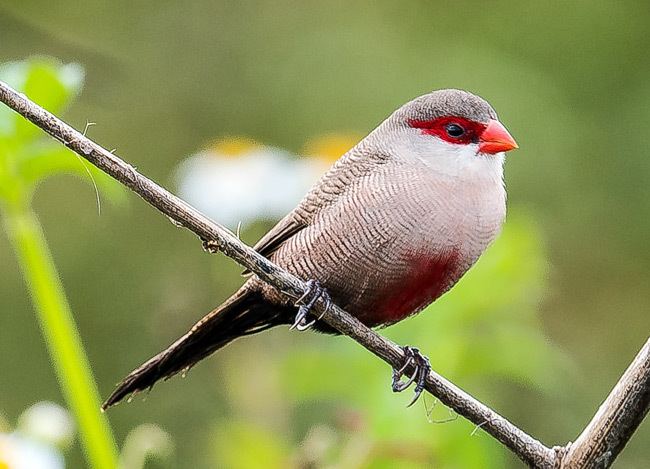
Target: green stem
x=61 y=336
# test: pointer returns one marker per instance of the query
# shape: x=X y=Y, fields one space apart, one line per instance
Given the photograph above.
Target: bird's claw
x=422 y=367
x=305 y=303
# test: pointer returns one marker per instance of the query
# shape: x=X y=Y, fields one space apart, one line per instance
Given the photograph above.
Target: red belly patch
x=425 y=281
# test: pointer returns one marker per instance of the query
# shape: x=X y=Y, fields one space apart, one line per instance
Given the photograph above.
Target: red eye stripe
x=438 y=127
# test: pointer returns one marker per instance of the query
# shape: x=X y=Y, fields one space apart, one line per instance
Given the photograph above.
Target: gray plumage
x=389 y=228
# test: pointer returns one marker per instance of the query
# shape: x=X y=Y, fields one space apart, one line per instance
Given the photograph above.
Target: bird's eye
x=454 y=130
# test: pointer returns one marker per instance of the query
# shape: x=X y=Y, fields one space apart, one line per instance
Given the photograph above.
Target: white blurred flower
x=42 y=430
x=144 y=442
x=48 y=423
x=240 y=181
x=18 y=452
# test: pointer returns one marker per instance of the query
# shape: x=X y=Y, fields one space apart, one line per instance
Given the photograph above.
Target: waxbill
x=389 y=228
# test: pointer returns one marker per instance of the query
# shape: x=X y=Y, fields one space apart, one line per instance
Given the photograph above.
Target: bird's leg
x=422 y=367
x=309 y=298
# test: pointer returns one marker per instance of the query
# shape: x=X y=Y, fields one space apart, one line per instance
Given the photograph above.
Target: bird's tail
x=242 y=314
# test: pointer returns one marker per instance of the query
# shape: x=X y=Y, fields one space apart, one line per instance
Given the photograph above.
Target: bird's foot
x=312 y=294
x=422 y=367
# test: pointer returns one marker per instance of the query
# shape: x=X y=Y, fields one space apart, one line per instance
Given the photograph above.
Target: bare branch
x=616 y=420
x=218 y=238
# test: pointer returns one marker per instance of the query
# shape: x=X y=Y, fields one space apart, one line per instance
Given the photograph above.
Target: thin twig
x=218 y=238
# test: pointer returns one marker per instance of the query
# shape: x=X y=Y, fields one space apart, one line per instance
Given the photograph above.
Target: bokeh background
x=540 y=331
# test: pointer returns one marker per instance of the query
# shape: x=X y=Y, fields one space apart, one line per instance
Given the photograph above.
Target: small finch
x=393 y=225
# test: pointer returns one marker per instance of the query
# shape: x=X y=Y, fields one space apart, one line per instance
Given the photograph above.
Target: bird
x=390 y=227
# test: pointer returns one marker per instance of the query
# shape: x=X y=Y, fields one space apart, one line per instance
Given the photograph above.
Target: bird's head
x=451 y=126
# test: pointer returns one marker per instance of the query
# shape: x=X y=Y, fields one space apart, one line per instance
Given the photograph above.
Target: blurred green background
x=540 y=331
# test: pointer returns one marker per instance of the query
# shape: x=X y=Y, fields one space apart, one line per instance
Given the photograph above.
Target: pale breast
x=394 y=241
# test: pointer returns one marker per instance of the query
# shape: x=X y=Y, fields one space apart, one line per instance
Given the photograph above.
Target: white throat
x=449 y=160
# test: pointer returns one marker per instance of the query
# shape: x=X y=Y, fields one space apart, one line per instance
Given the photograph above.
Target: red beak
x=495 y=138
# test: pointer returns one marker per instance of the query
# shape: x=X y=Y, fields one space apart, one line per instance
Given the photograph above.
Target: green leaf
x=27 y=156
x=51 y=85
x=44 y=80
x=49 y=158
x=12 y=73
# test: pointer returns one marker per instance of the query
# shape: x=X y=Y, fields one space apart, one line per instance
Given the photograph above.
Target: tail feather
x=243 y=314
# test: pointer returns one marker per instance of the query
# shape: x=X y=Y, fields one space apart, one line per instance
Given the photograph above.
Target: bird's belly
x=426 y=279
